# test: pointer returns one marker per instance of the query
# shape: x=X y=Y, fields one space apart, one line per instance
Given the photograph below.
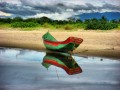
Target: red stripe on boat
x=78 y=41
x=69 y=71
x=68 y=40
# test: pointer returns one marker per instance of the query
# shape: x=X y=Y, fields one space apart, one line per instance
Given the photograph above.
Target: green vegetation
x=119 y=26
x=24 y=24
x=71 y=24
x=102 y=24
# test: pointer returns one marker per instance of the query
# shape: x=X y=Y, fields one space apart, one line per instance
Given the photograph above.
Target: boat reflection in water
x=62 y=60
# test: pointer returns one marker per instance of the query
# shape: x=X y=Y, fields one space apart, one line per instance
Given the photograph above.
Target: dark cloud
x=15 y=9
x=45 y=7
x=57 y=7
x=110 y=7
x=86 y=7
x=62 y=7
x=33 y=7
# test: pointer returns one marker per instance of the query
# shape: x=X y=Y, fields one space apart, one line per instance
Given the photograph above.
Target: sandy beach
x=96 y=43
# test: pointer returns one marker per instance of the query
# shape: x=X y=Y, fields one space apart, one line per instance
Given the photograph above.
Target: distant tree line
x=102 y=23
x=95 y=24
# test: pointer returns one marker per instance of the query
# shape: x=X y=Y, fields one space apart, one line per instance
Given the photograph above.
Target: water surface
x=23 y=70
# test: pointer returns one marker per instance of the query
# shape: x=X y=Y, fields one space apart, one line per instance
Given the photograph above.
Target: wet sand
x=96 y=43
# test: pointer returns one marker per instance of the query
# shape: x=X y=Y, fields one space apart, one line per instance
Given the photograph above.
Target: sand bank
x=96 y=43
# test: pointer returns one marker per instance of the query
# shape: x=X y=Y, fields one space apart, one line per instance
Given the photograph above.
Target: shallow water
x=23 y=70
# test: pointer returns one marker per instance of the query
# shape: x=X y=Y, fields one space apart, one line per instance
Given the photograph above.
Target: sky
x=55 y=9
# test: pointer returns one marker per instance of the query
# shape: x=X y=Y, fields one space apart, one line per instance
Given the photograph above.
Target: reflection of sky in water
x=23 y=67
x=22 y=55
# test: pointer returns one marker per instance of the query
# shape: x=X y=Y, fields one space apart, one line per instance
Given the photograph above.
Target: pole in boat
x=57 y=73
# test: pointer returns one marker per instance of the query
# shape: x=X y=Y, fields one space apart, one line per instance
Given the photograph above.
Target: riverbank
x=96 y=43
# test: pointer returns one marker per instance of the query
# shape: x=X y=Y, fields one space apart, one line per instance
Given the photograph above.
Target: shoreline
x=83 y=53
x=96 y=43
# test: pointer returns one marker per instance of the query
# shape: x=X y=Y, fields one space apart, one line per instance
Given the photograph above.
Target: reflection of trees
x=21 y=52
x=2 y=50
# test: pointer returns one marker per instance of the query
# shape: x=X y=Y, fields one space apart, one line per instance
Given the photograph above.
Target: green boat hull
x=52 y=44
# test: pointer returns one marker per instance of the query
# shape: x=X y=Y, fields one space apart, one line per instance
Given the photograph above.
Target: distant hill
x=97 y=15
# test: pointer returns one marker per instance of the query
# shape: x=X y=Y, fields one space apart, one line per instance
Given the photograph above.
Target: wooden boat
x=64 y=61
x=69 y=44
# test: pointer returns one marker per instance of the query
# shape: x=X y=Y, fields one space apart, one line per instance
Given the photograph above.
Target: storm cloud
x=54 y=8
x=16 y=9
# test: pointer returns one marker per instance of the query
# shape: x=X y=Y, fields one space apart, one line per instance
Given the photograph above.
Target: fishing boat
x=64 y=61
x=68 y=45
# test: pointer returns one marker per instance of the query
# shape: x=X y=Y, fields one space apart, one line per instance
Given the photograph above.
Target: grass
x=30 y=27
x=24 y=24
x=68 y=27
x=118 y=27
x=7 y=27
x=2 y=26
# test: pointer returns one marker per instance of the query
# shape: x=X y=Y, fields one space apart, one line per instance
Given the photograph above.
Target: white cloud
x=4 y=14
x=55 y=16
